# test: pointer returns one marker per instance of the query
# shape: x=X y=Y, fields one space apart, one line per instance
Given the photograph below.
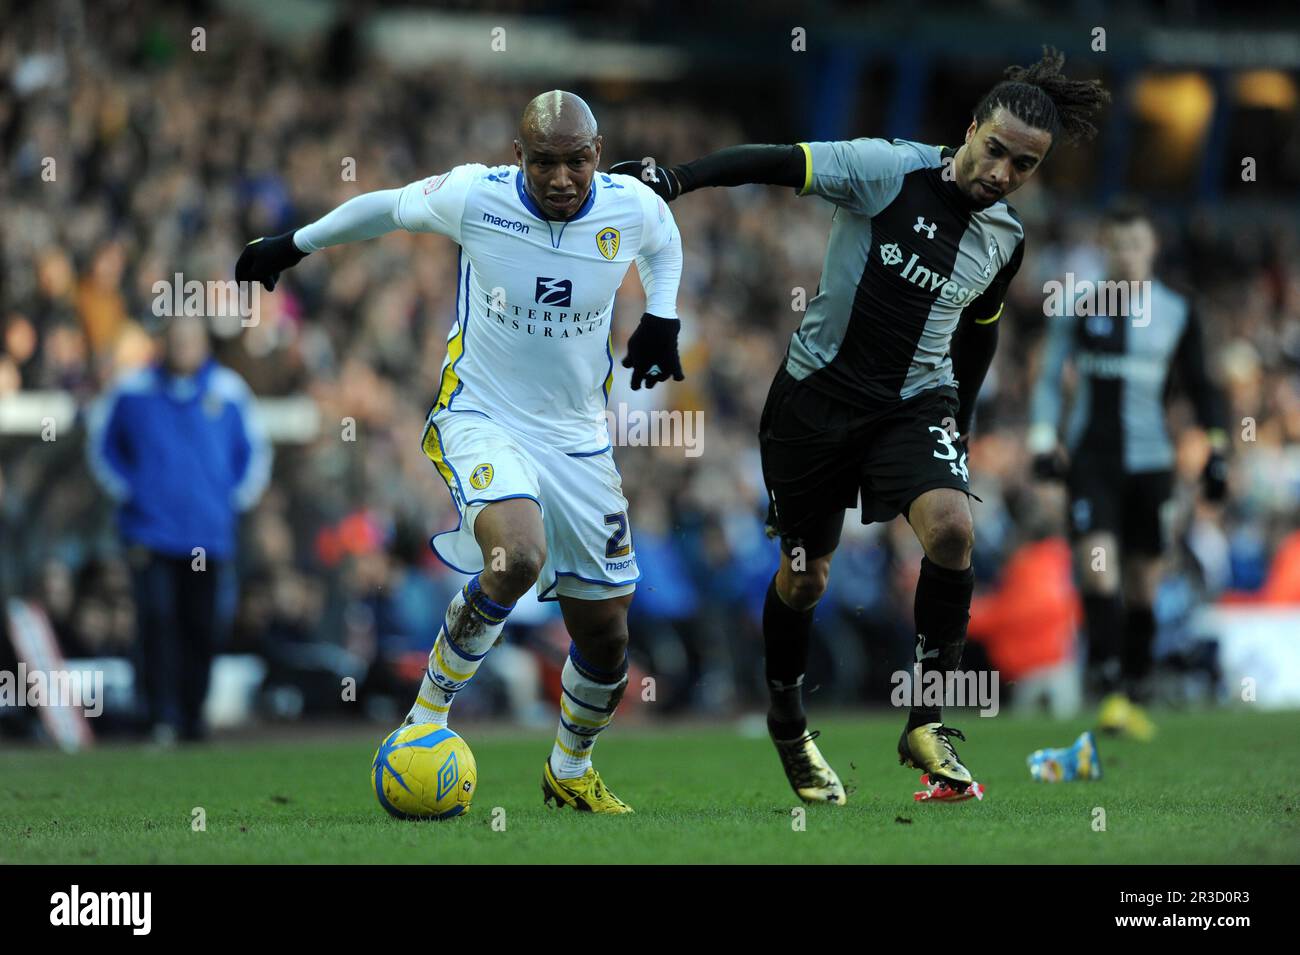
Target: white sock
x=470 y=627
x=587 y=706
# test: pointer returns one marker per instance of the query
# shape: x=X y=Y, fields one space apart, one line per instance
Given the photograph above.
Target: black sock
x=942 y=611
x=1139 y=643
x=786 y=633
x=1104 y=617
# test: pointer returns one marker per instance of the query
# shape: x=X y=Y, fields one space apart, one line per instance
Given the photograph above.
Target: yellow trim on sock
x=457 y=675
x=571 y=752
x=564 y=708
x=432 y=706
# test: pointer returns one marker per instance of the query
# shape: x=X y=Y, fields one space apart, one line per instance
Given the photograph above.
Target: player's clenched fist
x=264 y=259
x=665 y=183
x=652 y=352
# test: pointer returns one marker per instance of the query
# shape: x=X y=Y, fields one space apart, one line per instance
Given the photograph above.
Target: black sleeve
x=1189 y=360
x=739 y=165
x=972 y=353
x=976 y=339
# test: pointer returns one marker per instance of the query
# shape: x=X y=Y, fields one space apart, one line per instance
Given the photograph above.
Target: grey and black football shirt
x=909 y=255
x=1123 y=364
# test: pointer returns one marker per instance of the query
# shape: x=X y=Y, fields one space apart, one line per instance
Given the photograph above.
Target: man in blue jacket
x=178 y=447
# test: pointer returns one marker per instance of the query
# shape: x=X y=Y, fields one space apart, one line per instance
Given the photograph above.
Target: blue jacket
x=181 y=456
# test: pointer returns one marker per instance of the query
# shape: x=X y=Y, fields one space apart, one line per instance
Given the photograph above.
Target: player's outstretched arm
x=361 y=217
x=859 y=175
x=435 y=204
x=732 y=166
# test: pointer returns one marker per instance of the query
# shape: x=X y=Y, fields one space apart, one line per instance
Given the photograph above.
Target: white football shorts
x=589 y=552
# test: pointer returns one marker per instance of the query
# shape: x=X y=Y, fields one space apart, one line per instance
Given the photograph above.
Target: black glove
x=1049 y=466
x=264 y=259
x=652 y=352
x=1214 y=479
x=665 y=183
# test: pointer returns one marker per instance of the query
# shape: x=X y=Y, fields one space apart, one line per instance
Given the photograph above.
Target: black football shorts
x=820 y=454
x=1134 y=506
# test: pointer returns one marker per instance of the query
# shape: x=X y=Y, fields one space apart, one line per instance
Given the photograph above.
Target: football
x=424 y=772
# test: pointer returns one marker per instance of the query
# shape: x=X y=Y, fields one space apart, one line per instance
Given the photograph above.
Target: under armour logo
x=927 y=227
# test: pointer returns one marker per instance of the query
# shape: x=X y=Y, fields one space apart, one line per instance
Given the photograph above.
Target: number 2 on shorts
x=615 y=546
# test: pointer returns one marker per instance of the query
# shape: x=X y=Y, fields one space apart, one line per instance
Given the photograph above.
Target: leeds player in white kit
x=517 y=429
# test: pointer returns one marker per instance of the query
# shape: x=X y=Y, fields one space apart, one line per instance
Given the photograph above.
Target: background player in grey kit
x=1120 y=457
x=876 y=395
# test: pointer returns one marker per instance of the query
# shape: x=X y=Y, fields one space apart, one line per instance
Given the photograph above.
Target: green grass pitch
x=1216 y=787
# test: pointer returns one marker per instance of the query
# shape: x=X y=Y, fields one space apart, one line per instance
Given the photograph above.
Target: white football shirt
x=530 y=345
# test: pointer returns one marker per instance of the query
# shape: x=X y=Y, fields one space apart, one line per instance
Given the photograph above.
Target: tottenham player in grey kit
x=876 y=393
x=1120 y=457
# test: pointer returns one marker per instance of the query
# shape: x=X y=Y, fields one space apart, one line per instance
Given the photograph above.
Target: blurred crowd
x=134 y=158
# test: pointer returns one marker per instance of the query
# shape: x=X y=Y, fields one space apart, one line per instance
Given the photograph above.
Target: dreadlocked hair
x=1040 y=96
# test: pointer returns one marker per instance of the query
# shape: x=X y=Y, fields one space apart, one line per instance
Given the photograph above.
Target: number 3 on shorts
x=950 y=453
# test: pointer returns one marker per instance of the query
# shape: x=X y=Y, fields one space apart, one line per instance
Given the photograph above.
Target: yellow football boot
x=928 y=748
x=587 y=793
x=810 y=776
x=1120 y=716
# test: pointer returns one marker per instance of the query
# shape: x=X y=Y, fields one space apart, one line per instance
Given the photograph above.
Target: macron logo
x=501 y=223
x=103 y=908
